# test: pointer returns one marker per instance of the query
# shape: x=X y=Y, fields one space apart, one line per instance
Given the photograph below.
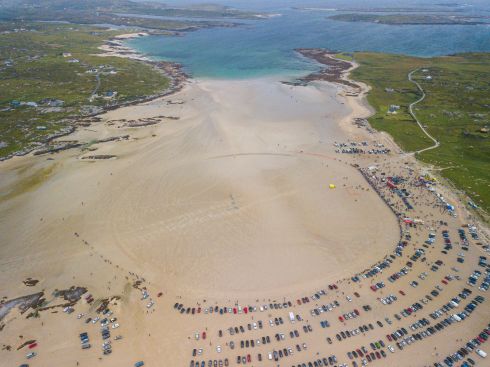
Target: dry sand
x=229 y=203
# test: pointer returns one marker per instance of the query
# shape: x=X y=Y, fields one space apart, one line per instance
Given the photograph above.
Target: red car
x=341 y=318
x=203 y=335
x=401 y=292
x=444 y=281
x=298 y=301
x=249 y=359
x=33 y=345
x=245 y=309
x=234 y=310
x=356 y=312
x=388 y=336
x=373 y=288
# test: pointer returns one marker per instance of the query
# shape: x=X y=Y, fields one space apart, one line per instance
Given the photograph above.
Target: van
x=481 y=353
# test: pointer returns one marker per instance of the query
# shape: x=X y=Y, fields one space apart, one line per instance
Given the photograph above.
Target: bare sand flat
x=230 y=199
x=227 y=205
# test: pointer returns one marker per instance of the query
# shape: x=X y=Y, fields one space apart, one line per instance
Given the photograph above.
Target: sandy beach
x=224 y=199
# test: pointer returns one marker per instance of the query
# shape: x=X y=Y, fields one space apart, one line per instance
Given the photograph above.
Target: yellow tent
x=332 y=186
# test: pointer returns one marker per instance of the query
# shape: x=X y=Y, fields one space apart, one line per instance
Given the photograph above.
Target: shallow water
x=266 y=47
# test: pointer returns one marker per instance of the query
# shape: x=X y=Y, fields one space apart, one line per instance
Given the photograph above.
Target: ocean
x=260 y=48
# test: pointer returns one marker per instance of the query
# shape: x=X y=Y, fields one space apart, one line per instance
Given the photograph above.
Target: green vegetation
x=55 y=67
x=122 y=13
x=399 y=19
x=28 y=183
x=344 y=56
x=456 y=111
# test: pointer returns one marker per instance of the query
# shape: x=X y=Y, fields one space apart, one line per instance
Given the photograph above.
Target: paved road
x=410 y=110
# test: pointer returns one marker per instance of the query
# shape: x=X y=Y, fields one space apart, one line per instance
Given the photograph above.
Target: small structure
x=66 y=54
x=331 y=186
x=393 y=108
x=110 y=94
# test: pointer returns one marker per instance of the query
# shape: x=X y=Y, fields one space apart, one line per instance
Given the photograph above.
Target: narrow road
x=410 y=110
x=97 y=86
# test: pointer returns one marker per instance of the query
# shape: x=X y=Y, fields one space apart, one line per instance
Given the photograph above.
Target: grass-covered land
x=456 y=111
x=48 y=73
x=400 y=19
x=122 y=13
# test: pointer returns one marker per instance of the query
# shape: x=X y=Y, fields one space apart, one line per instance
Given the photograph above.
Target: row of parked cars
x=84 y=340
x=231 y=310
x=320 y=362
x=344 y=334
x=211 y=363
x=395 y=276
x=324 y=308
x=349 y=315
x=473 y=345
x=435 y=328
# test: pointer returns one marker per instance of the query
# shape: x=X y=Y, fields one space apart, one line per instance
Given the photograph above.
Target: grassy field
x=33 y=68
x=456 y=111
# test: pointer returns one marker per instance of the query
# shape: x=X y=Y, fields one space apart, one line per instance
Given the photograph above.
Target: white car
x=348 y=299
x=481 y=353
x=95 y=320
x=218 y=348
x=115 y=326
x=391 y=349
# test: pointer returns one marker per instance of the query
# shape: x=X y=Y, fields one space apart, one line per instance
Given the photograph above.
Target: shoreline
x=177 y=77
x=223 y=173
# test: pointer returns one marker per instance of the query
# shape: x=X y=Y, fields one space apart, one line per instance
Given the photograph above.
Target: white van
x=481 y=353
x=457 y=318
x=291 y=317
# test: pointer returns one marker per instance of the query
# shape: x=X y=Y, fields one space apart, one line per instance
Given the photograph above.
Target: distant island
x=407 y=19
x=384 y=10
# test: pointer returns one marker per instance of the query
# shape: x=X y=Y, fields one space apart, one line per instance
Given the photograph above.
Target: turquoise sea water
x=266 y=47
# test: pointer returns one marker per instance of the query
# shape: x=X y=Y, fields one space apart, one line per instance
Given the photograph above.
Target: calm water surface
x=266 y=47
